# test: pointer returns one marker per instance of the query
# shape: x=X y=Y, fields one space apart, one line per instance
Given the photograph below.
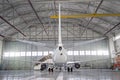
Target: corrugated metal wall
x=17 y=55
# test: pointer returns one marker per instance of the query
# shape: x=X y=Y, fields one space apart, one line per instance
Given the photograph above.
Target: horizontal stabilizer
x=31 y=42
x=89 y=41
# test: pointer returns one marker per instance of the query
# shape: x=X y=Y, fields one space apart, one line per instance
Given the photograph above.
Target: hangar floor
x=83 y=74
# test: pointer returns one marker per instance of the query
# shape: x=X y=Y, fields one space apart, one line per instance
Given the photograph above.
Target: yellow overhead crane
x=86 y=15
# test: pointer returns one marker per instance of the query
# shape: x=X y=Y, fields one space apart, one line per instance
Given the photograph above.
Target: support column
x=112 y=49
x=1 y=47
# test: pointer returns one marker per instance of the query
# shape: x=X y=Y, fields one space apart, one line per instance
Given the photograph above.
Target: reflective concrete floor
x=84 y=74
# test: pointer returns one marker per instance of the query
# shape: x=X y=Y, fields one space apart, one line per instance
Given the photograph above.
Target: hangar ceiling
x=30 y=19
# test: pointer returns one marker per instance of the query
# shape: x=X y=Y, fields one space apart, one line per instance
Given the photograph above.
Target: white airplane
x=59 y=57
x=60 y=53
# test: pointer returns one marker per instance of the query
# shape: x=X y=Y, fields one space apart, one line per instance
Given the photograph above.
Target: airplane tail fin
x=59 y=28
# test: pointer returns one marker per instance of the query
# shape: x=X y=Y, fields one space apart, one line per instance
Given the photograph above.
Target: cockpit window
x=60 y=48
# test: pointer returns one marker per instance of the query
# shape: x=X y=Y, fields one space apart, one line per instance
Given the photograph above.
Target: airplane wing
x=77 y=44
x=87 y=63
x=89 y=41
x=69 y=46
x=50 y=46
x=71 y=62
x=31 y=42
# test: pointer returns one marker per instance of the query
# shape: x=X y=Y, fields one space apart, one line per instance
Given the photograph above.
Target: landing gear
x=60 y=69
x=70 y=69
x=50 y=69
x=43 y=67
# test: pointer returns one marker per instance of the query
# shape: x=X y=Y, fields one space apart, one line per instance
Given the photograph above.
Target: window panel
x=28 y=53
x=87 y=52
x=12 y=54
x=82 y=53
x=99 y=52
x=51 y=52
x=105 y=53
x=22 y=53
x=76 y=53
x=34 y=53
x=45 y=53
x=40 y=53
x=70 y=52
x=6 y=54
x=16 y=54
x=93 y=52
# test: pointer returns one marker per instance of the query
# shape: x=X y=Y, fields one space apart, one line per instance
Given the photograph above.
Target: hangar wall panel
x=17 y=55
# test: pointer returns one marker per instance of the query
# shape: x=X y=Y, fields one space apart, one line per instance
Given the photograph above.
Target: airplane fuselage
x=60 y=55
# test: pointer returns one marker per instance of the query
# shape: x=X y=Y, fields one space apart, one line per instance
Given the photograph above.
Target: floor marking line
x=60 y=76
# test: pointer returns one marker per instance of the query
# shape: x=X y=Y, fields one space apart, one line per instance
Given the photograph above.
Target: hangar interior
x=32 y=20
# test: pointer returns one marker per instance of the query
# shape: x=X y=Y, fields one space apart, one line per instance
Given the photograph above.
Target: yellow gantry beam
x=84 y=15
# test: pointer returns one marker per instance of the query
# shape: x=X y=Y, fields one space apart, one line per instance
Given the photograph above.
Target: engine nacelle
x=43 y=67
x=77 y=65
